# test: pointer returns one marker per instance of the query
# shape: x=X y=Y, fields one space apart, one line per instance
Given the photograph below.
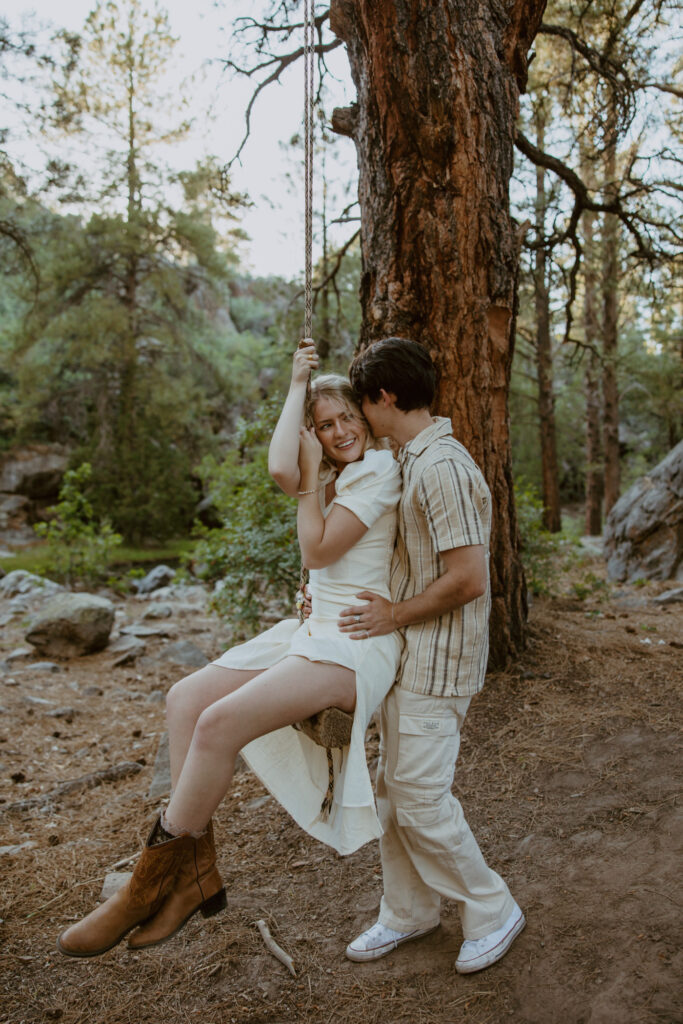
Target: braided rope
x=309 y=54
x=309 y=726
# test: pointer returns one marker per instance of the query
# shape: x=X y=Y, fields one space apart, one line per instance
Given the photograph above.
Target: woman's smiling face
x=341 y=432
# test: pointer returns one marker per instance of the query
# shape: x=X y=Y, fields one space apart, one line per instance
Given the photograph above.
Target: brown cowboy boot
x=197 y=886
x=134 y=902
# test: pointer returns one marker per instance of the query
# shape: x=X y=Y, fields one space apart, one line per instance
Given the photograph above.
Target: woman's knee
x=212 y=727
x=184 y=697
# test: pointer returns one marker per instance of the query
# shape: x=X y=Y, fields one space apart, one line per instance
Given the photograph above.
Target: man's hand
x=371 y=619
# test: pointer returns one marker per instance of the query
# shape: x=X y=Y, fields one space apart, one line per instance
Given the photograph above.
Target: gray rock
x=113 y=882
x=669 y=597
x=21 y=582
x=156 y=697
x=9 y=851
x=125 y=643
x=35 y=470
x=65 y=712
x=93 y=691
x=158 y=577
x=38 y=701
x=137 y=629
x=126 y=649
x=644 y=530
x=161 y=780
x=158 y=610
x=43 y=666
x=19 y=654
x=72 y=625
x=258 y=802
x=184 y=653
x=189 y=593
x=15 y=510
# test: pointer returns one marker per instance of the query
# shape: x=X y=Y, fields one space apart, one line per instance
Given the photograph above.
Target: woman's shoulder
x=378 y=464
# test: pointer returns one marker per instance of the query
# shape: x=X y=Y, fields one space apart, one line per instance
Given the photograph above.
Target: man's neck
x=409 y=424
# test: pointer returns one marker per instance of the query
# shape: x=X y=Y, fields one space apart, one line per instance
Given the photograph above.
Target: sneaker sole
x=360 y=956
x=493 y=955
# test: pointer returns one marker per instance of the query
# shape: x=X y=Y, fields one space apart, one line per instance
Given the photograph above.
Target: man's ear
x=387 y=398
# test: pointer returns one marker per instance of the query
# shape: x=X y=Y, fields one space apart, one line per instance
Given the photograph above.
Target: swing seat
x=329 y=728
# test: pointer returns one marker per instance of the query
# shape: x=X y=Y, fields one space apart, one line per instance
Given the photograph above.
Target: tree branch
x=582 y=199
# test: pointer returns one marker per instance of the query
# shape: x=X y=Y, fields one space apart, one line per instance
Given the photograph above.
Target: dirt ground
x=569 y=774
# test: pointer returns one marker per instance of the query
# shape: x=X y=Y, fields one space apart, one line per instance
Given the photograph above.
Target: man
x=440 y=602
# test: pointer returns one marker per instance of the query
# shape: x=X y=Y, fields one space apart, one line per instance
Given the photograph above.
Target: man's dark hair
x=400 y=367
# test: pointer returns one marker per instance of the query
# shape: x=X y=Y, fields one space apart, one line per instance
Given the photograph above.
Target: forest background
x=134 y=334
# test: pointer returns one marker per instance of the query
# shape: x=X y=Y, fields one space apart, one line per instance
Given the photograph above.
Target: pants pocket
x=427 y=749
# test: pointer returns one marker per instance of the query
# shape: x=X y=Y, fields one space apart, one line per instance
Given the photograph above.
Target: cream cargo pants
x=427 y=849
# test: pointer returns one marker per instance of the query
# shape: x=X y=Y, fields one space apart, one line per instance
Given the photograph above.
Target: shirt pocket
x=428 y=747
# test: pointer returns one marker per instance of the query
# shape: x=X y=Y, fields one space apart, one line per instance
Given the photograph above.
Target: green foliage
x=590 y=586
x=79 y=544
x=254 y=554
x=539 y=548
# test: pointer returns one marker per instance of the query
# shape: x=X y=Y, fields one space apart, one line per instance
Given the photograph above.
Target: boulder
x=156 y=578
x=35 y=471
x=21 y=582
x=71 y=625
x=14 y=511
x=644 y=530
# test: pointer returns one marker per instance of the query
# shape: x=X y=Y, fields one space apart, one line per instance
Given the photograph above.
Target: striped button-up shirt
x=445 y=504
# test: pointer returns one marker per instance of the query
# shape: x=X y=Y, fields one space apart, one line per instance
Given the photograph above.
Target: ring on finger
x=357 y=618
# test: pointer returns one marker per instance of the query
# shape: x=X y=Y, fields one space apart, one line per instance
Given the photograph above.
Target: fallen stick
x=272 y=946
x=80 y=785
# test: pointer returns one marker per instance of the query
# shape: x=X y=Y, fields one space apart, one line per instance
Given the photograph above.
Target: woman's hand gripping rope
x=305 y=360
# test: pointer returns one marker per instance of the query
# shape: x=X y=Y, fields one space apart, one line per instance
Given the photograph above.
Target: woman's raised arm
x=283 y=453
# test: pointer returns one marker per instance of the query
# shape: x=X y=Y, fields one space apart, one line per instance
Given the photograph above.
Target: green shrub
x=539 y=548
x=254 y=554
x=79 y=545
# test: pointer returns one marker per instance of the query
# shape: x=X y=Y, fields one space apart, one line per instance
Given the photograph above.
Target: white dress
x=289 y=764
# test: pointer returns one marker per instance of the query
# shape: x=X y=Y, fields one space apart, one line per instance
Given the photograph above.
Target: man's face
x=374 y=413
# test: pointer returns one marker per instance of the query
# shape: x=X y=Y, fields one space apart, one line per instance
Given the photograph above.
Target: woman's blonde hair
x=338 y=388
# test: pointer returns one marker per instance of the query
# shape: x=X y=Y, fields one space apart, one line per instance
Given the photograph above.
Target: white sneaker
x=475 y=954
x=379 y=940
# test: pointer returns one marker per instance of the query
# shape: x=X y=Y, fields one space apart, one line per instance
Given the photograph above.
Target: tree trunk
x=552 y=519
x=610 y=326
x=594 y=480
x=437 y=99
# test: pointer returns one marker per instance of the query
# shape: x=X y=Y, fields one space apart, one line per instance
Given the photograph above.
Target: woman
x=248 y=699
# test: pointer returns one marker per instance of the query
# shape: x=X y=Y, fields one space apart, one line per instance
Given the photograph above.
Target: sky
x=267 y=172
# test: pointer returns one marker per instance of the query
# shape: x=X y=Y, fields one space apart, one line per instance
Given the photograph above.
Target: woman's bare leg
x=188 y=698
x=289 y=691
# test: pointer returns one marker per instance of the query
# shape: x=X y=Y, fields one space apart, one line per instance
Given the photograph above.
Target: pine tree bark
x=552 y=518
x=437 y=99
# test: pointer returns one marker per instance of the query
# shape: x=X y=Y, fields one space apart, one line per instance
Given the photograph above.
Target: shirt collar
x=439 y=427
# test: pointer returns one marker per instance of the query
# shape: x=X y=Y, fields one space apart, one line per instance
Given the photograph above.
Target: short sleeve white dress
x=291 y=766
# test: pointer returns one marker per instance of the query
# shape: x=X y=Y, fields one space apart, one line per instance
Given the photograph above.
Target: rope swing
x=330 y=728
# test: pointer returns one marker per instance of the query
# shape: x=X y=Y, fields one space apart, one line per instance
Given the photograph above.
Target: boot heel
x=214 y=904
